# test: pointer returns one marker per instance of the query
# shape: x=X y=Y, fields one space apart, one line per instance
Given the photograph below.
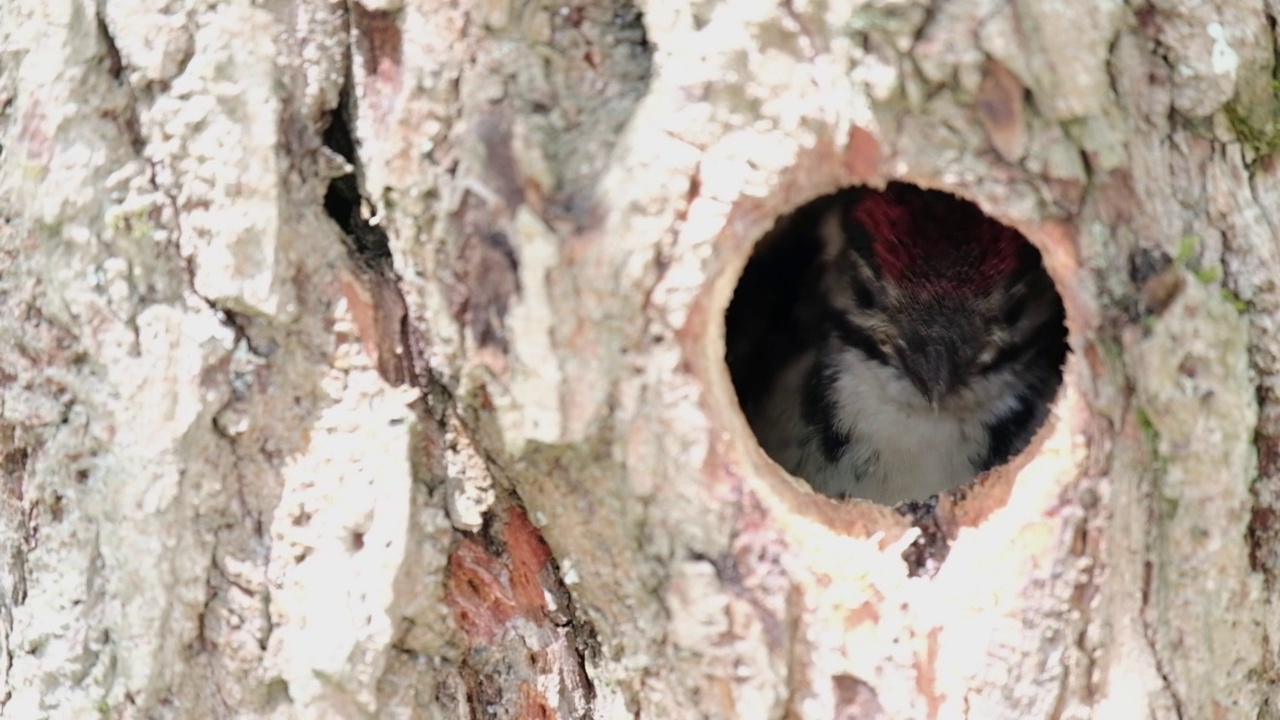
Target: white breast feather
x=921 y=450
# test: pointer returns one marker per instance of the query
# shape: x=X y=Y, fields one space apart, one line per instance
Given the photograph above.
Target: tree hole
x=366 y=243
x=893 y=345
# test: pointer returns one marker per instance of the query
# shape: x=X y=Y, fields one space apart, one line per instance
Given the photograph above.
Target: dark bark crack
x=514 y=560
x=1263 y=533
x=1150 y=633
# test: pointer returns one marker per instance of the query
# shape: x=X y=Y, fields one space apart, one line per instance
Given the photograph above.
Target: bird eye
x=863 y=295
x=1014 y=310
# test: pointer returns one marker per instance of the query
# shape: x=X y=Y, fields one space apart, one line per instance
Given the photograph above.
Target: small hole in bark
x=366 y=243
x=892 y=345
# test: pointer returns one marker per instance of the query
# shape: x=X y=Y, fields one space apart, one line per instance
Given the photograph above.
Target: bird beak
x=933 y=372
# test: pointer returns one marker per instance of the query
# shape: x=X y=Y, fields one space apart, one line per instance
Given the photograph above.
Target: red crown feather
x=933 y=241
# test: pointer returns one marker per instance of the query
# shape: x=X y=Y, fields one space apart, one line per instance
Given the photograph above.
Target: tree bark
x=367 y=360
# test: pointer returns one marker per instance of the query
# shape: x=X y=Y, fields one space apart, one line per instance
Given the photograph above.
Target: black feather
x=818 y=411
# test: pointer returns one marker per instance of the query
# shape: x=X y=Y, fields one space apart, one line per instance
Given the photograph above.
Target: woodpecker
x=892 y=345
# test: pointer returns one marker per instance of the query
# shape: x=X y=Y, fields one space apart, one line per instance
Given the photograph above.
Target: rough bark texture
x=457 y=439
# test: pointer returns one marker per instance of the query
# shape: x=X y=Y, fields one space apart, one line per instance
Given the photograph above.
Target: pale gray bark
x=250 y=471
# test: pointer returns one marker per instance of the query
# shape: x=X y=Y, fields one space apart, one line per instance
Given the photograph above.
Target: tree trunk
x=367 y=360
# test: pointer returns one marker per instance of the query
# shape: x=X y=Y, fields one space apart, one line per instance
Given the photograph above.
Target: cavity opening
x=894 y=344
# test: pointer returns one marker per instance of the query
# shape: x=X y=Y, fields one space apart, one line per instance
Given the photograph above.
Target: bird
x=891 y=345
